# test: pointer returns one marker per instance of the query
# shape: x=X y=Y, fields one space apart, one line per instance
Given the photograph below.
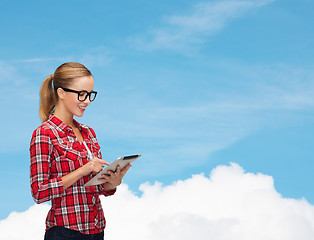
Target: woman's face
x=70 y=99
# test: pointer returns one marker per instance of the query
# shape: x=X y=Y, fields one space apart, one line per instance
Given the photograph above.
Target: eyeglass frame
x=88 y=94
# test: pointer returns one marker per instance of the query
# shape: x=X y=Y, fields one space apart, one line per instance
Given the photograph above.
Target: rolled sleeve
x=101 y=190
x=43 y=187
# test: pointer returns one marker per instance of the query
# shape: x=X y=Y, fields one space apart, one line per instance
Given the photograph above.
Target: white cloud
x=9 y=76
x=25 y=225
x=231 y=204
x=98 y=57
x=94 y=57
x=182 y=31
x=17 y=99
x=278 y=86
x=41 y=60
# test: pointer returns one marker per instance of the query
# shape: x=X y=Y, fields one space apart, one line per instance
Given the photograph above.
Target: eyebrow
x=85 y=90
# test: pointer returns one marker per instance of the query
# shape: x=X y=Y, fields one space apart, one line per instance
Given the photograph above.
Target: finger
x=102 y=180
x=96 y=159
x=110 y=173
x=97 y=167
x=124 y=170
x=105 y=177
x=104 y=162
x=118 y=169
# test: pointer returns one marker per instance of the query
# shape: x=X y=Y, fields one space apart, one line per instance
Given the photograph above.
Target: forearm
x=71 y=178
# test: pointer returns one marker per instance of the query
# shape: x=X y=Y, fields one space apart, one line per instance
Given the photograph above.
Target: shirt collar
x=79 y=125
x=63 y=126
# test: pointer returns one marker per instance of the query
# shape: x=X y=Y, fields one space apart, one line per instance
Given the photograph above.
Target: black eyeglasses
x=82 y=95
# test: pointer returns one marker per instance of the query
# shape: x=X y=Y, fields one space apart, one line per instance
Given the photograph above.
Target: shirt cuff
x=106 y=193
x=56 y=186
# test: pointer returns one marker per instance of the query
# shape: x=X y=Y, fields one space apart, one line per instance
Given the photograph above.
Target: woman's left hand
x=114 y=179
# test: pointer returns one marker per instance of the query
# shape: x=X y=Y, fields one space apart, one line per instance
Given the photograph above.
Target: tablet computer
x=121 y=161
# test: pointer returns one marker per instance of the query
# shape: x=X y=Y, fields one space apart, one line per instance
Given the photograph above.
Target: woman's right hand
x=95 y=165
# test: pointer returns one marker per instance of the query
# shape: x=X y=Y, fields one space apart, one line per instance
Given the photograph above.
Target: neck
x=64 y=116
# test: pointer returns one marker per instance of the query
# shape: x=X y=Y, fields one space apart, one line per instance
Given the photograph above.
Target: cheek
x=75 y=103
x=72 y=102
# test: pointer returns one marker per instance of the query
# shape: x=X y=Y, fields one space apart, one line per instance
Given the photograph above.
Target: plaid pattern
x=55 y=152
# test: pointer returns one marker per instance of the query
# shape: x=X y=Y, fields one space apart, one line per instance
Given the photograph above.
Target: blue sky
x=190 y=85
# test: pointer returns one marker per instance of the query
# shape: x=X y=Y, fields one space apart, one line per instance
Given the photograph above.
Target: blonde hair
x=62 y=77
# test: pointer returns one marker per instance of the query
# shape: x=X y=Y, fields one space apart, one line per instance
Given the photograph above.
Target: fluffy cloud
x=229 y=204
x=205 y=19
x=25 y=225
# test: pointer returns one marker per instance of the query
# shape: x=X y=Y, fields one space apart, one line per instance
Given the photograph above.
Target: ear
x=60 y=93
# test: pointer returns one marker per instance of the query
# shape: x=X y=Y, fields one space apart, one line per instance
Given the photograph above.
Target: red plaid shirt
x=55 y=152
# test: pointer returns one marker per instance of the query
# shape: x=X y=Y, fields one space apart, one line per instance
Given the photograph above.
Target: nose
x=87 y=100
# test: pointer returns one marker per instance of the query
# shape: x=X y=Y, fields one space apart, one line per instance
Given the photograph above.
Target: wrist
x=82 y=171
x=109 y=187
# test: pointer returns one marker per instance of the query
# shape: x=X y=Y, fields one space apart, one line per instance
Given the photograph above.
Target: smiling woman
x=59 y=157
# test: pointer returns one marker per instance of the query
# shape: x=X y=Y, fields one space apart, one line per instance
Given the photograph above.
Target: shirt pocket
x=70 y=158
x=96 y=149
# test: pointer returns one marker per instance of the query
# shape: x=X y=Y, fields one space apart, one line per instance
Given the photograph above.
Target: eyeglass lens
x=82 y=96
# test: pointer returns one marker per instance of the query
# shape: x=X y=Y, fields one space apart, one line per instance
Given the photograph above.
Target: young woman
x=59 y=157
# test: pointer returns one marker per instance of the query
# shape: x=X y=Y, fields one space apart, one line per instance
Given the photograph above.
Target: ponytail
x=47 y=98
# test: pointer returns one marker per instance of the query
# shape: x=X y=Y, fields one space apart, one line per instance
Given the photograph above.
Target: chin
x=78 y=114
